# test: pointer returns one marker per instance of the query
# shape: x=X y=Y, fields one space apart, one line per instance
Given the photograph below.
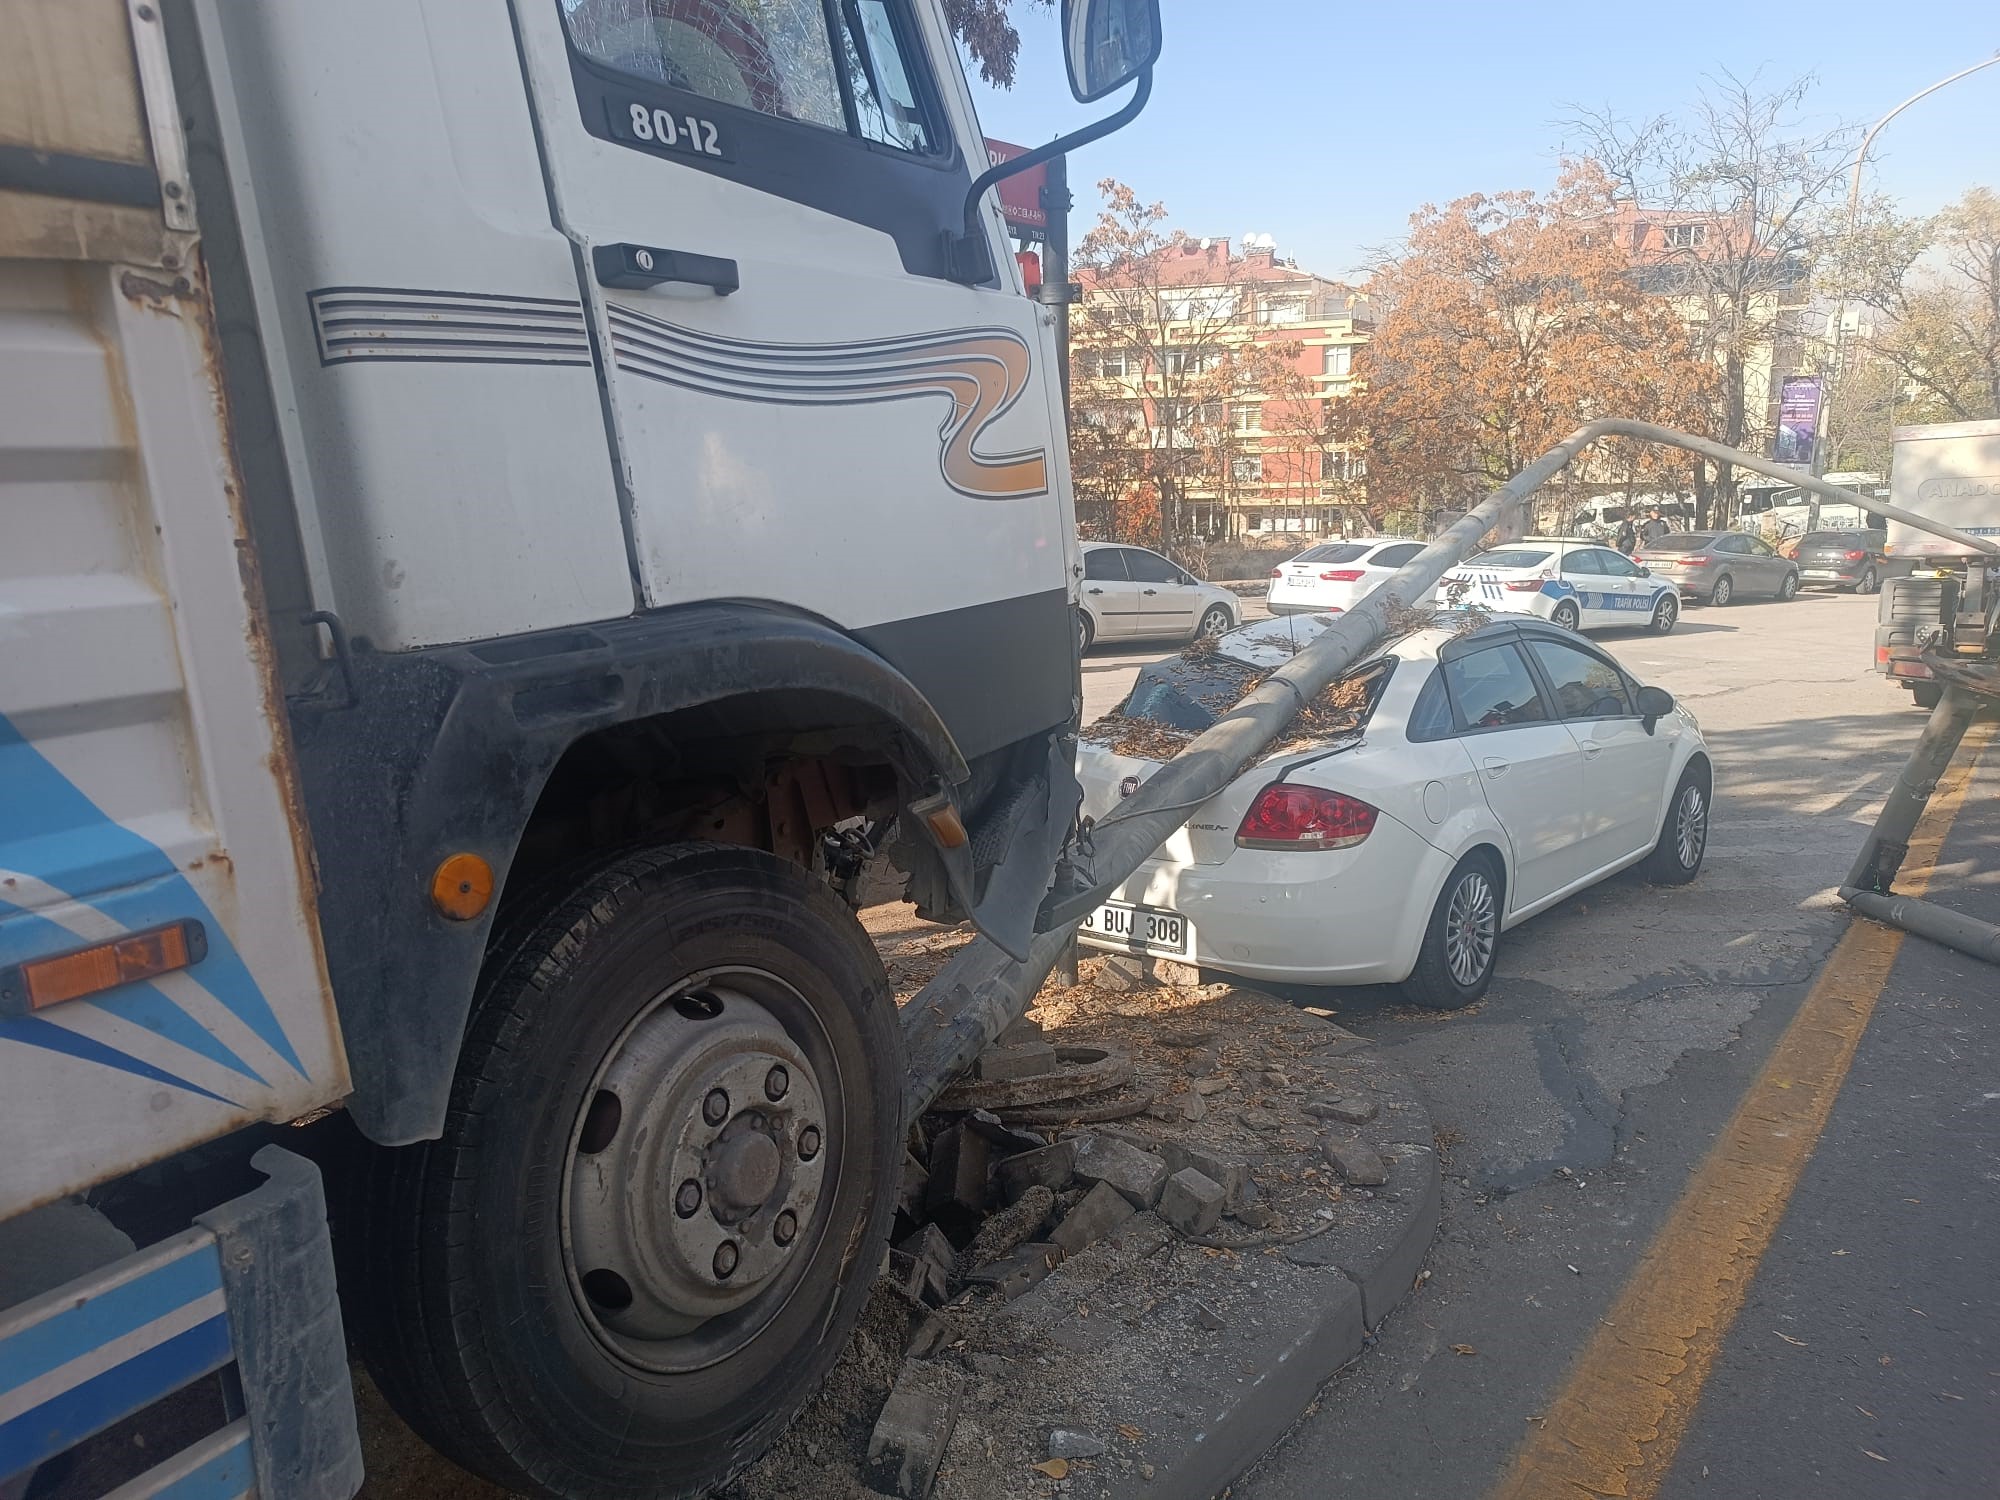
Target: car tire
x=1462 y=941
x=1789 y=589
x=1086 y=633
x=1677 y=856
x=1870 y=582
x=1666 y=614
x=1723 y=592
x=1214 y=623
x=613 y=1016
x=1566 y=616
x=1927 y=694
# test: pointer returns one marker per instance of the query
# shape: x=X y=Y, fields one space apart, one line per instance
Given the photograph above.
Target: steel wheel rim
x=763 y=1165
x=1470 y=928
x=1665 y=613
x=1690 y=826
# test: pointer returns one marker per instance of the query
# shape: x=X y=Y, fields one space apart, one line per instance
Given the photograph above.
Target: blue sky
x=1324 y=123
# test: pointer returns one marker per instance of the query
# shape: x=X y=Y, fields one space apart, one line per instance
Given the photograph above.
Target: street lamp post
x=1853 y=226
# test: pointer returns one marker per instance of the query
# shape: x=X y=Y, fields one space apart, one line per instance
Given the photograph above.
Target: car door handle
x=1149 y=592
x=1495 y=766
x=1591 y=752
x=637 y=266
x=1093 y=591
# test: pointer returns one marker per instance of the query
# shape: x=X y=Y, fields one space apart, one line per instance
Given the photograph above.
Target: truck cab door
x=803 y=407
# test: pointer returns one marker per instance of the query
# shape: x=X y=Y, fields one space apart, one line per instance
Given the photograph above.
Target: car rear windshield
x=1332 y=553
x=1508 y=557
x=1190 y=692
x=1680 y=542
x=1838 y=538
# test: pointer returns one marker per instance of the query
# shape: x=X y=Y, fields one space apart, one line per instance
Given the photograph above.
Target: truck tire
x=1928 y=694
x=664 y=1185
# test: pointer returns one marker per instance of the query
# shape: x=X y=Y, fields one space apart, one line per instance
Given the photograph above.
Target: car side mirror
x=1644 y=571
x=1654 y=704
x=1109 y=43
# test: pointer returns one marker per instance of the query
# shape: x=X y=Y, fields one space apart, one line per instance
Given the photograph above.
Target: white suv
x=1130 y=593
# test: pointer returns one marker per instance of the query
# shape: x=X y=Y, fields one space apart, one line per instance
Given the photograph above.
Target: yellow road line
x=1619 y=1419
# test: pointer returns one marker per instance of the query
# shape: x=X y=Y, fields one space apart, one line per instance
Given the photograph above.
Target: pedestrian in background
x=1655 y=528
x=1628 y=539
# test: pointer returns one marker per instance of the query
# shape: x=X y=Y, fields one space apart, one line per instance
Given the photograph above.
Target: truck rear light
x=1341 y=575
x=1286 y=816
x=1904 y=666
x=1881 y=656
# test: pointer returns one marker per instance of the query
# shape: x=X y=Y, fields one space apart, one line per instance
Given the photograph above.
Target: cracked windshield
x=999 y=750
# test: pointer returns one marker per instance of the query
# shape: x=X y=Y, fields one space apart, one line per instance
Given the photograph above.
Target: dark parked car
x=1717 y=567
x=1843 y=559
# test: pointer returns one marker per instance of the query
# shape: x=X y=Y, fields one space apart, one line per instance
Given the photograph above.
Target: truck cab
x=1938 y=596
x=518 y=517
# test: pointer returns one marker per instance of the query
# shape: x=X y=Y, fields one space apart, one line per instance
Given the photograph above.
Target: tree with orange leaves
x=1513 y=319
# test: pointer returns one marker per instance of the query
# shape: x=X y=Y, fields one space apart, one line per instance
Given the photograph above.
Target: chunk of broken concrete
x=1139 y=1175
x=1047 y=1166
x=1231 y=1173
x=959 y=1161
x=1065 y=1443
x=1018 y=1272
x=1102 y=1210
x=911 y=1434
x=1361 y=1165
x=1029 y=1060
x=1346 y=1111
x=1010 y=1228
x=1191 y=1202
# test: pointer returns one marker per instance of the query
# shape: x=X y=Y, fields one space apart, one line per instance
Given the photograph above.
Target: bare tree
x=1727 y=211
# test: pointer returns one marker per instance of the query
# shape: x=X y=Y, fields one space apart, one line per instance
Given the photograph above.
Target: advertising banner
x=1798 y=419
x=1020 y=196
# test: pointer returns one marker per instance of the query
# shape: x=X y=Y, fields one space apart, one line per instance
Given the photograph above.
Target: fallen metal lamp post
x=1868 y=888
x=982 y=991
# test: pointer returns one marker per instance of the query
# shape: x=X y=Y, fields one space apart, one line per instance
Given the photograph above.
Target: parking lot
x=1574 y=1101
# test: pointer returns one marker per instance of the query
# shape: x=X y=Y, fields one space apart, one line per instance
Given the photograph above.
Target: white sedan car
x=1579 y=585
x=1130 y=593
x=1335 y=575
x=1455 y=785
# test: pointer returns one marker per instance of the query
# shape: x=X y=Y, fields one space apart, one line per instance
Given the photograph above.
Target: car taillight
x=1285 y=816
x=1341 y=575
x=1277 y=572
x=1525 y=585
x=1855 y=554
x=1700 y=561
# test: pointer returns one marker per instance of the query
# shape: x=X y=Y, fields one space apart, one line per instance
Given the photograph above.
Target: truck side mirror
x=1654 y=704
x=1109 y=43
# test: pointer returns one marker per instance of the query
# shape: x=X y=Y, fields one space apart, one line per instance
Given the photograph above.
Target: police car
x=1569 y=581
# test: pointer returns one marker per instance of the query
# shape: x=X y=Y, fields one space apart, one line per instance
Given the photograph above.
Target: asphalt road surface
x=1577 y=1100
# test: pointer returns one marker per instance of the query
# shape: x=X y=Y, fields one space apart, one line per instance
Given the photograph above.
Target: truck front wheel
x=663 y=1187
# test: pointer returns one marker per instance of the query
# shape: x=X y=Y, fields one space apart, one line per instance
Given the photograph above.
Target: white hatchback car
x=1335 y=575
x=1130 y=593
x=1577 y=584
x=1471 y=781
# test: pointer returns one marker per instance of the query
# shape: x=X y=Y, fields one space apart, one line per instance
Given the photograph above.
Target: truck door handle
x=638 y=266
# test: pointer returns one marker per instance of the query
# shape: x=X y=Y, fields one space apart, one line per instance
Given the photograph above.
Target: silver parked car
x=1131 y=593
x=1716 y=567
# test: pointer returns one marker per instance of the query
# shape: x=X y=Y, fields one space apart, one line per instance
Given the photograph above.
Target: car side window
x=1430 y=716
x=1758 y=548
x=1396 y=556
x=1618 y=565
x=1150 y=567
x=1585 y=686
x=1727 y=544
x=1105 y=564
x=1588 y=561
x=1492 y=689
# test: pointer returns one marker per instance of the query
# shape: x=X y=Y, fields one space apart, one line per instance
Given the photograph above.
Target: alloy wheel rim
x=1566 y=616
x=1691 y=827
x=1469 y=928
x=1723 y=590
x=1665 y=612
x=698 y=1162
x=1214 y=624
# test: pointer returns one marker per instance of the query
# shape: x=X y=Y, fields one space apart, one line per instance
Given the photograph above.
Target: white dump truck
x=1938 y=595
x=511 y=515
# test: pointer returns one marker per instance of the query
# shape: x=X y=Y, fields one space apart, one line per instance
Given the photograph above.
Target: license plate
x=1819 y=572
x=1143 y=929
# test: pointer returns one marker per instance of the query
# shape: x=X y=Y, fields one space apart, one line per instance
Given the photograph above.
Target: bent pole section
x=982 y=991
